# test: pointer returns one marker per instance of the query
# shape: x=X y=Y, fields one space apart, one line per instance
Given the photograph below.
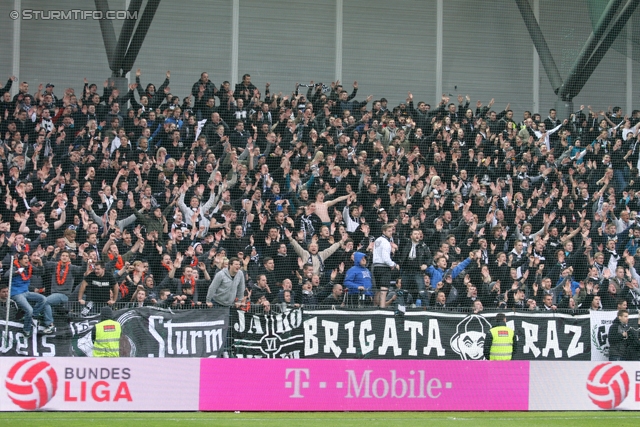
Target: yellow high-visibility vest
x=502 y=345
x=107 y=342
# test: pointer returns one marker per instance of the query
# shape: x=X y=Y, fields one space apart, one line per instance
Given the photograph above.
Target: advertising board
x=99 y=384
x=362 y=385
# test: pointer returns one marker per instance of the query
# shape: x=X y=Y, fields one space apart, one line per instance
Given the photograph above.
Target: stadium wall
x=390 y=48
x=72 y=384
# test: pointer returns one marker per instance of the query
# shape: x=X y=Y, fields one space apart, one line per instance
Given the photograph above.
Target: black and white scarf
x=307 y=227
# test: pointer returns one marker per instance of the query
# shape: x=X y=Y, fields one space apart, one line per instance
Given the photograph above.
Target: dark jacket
x=151 y=222
x=421 y=258
x=209 y=89
x=620 y=347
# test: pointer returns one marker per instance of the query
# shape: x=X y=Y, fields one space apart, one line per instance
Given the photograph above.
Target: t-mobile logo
x=298 y=382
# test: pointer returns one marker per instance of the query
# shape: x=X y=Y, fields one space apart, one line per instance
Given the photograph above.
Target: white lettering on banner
x=78 y=328
x=433 y=339
x=530 y=338
x=194 y=335
x=156 y=335
x=396 y=385
x=181 y=342
x=287 y=322
x=240 y=324
x=575 y=346
x=552 y=344
x=311 y=345
x=277 y=334
x=600 y=322
x=552 y=341
x=284 y=322
x=255 y=327
x=48 y=345
x=349 y=327
x=7 y=341
x=330 y=337
x=17 y=338
x=178 y=342
x=390 y=338
x=298 y=383
x=271 y=343
x=415 y=328
x=366 y=341
x=22 y=343
x=413 y=337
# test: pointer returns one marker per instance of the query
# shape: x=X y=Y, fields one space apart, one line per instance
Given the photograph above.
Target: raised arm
x=336 y=200
x=296 y=246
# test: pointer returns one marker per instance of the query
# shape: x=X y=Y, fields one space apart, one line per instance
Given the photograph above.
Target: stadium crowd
x=234 y=196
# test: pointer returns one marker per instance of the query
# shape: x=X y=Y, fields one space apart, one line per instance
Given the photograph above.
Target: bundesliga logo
x=31 y=383
x=608 y=385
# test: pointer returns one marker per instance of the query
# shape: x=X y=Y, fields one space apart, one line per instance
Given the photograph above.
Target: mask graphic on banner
x=468 y=341
x=608 y=385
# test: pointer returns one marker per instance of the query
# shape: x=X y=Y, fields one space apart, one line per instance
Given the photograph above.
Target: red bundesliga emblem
x=109 y=328
x=608 y=385
x=503 y=333
x=31 y=383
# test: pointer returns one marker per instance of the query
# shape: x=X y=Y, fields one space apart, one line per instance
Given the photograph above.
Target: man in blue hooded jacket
x=436 y=273
x=358 y=277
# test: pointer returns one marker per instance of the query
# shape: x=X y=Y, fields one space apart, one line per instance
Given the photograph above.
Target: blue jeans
x=619 y=180
x=24 y=299
x=54 y=299
x=413 y=282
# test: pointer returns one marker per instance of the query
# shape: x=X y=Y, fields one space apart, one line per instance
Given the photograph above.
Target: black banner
x=376 y=334
x=439 y=335
x=269 y=336
x=149 y=332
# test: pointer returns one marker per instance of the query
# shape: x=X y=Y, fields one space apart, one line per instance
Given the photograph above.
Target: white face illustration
x=468 y=341
x=471 y=346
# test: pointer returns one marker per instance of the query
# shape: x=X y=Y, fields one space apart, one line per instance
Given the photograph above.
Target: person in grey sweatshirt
x=227 y=288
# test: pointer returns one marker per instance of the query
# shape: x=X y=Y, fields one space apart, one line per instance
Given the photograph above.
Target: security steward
x=500 y=342
x=106 y=335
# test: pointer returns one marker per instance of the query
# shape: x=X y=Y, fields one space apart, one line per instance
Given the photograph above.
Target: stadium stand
x=146 y=198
